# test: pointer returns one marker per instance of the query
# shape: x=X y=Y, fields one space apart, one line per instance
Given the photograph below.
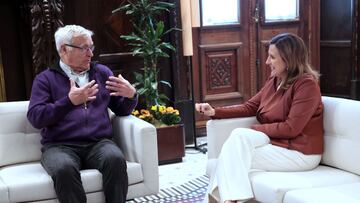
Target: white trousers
x=247 y=149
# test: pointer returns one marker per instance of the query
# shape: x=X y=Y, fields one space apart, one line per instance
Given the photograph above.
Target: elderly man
x=69 y=103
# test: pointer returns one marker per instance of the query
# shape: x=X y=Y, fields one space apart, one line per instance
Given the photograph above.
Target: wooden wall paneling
x=314 y=33
x=336 y=68
x=357 y=38
x=355 y=82
x=2 y=81
x=264 y=70
x=221 y=72
x=16 y=51
x=98 y=17
x=24 y=28
x=336 y=48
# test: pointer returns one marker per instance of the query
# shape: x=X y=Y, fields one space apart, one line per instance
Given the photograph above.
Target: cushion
x=349 y=193
x=19 y=148
x=30 y=182
x=4 y=195
x=13 y=118
x=342 y=133
x=270 y=187
x=96 y=197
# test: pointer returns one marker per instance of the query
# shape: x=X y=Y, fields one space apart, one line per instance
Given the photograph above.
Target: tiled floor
x=192 y=166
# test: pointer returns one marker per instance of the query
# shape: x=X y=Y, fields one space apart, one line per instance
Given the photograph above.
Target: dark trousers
x=63 y=163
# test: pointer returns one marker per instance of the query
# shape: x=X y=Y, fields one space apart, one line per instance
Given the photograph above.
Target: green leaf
x=159 y=29
x=167 y=45
x=165 y=83
x=171 y=29
x=141 y=91
x=163 y=97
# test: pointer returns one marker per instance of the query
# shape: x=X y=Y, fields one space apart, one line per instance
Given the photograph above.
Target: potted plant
x=170 y=132
x=146 y=42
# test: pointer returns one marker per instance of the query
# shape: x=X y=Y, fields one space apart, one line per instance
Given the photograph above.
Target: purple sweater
x=60 y=121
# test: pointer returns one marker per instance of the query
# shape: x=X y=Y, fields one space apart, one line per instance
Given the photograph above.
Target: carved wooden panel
x=221 y=71
x=46 y=18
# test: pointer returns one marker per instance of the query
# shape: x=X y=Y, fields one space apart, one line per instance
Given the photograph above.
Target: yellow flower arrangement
x=159 y=115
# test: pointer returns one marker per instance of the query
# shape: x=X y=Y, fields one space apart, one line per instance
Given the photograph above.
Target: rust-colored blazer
x=292 y=118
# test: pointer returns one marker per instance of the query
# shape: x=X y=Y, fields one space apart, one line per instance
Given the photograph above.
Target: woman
x=289 y=136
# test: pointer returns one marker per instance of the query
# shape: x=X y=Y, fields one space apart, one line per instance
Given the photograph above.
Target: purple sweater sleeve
x=42 y=112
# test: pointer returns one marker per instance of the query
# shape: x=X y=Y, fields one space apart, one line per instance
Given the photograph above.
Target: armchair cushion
x=271 y=187
x=218 y=130
x=19 y=147
x=4 y=195
x=348 y=193
x=30 y=181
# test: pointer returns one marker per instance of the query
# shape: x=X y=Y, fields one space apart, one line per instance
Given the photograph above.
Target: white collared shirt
x=80 y=78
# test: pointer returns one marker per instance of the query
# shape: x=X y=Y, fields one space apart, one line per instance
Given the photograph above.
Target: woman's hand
x=205 y=108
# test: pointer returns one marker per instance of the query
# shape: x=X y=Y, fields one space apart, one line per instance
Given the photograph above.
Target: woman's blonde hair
x=294 y=53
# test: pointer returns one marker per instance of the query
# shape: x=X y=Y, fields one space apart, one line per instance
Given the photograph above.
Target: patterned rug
x=190 y=192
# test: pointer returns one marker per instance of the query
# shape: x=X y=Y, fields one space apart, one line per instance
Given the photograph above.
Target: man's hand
x=120 y=87
x=80 y=95
x=205 y=108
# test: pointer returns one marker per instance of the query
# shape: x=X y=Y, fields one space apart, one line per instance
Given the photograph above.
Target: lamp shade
x=195 y=13
x=185 y=7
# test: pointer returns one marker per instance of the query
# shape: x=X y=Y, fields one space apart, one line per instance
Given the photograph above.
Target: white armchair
x=137 y=139
x=336 y=179
x=218 y=130
x=23 y=179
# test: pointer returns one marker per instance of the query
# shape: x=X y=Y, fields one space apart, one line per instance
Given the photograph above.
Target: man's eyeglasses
x=83 y=49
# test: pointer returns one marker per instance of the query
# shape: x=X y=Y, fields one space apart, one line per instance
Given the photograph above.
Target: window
x=281 y=10
x=224 y=12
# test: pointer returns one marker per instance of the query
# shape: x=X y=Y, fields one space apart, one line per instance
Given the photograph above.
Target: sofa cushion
x=4 y=195
x=19 y=148
x=342 y=133
x=96 y=197
x=30 y=182
x=270 y=187
x=349 y=193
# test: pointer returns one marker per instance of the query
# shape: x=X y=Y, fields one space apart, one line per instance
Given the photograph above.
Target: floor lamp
x=190 y=18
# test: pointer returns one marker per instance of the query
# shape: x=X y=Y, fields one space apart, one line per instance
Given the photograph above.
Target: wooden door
x=229 y=60
x=306 y=25
x=337 y=44
x=221 y=61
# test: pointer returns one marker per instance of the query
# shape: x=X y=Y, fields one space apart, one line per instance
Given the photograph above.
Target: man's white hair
x=64 y=35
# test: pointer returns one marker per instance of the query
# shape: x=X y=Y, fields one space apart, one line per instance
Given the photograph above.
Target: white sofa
x=23 y=179
x=337 y=179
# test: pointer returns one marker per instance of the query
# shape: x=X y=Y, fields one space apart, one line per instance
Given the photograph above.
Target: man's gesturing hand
x=119 y=86
x=80 y=95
